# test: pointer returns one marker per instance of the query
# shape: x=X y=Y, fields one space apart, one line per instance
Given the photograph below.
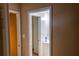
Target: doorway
x=35 y=35
x=15 y=35
x=39 y=32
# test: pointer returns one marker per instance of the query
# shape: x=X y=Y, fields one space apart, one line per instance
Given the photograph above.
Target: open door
x=39 y=32
x=36 y=35
x=13 y=35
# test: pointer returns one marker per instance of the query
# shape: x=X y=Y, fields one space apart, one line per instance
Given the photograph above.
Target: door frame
x=18 y=24
x=30 y=26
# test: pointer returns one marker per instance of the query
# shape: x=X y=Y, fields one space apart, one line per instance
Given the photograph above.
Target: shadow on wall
x=1 y=31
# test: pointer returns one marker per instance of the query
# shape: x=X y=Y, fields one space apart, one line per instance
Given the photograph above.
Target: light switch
x=23 y=36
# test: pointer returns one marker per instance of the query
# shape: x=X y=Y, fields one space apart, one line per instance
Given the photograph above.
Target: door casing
x=30 y=27
x=18 y=31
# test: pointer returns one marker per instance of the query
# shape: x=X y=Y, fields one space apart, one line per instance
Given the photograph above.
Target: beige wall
x=4 y=17
x=14 y=6
x=66 y=29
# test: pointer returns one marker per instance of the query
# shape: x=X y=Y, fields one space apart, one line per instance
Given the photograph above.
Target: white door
x=40 y=36
x=36 y=35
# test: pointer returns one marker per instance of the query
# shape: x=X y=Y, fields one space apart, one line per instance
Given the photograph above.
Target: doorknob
x=18 y=45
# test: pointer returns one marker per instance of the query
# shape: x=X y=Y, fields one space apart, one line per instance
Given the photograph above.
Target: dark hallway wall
x=66 y=29
x=1 y=31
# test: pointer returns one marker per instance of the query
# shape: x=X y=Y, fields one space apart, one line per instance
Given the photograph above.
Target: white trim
x=14 y=11
x=30 y=27
x=30 y=36
x=18 y=31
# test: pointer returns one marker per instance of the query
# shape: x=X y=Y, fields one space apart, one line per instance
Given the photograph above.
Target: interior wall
x=1 y=31
x=66 y=29
x=14 y=6
x=4 y=17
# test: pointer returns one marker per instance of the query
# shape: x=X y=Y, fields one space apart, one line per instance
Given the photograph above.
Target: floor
x=45 y=50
